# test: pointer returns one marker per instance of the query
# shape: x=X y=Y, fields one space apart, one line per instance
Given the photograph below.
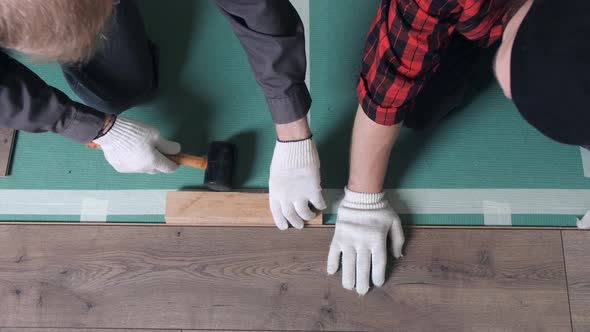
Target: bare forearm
x=369 y=155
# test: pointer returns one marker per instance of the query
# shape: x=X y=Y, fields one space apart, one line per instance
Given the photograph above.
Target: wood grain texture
x=208 y=208
x=262 y=279
x=576 y=246
x=6 y=147
x=23 y=329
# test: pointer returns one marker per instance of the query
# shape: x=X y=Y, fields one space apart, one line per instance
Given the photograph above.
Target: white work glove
x=133 y=147
x=584 y=223
x=294 y=182
x=363 y=225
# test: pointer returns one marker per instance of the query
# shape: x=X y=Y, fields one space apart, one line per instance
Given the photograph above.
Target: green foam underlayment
x=207 y=92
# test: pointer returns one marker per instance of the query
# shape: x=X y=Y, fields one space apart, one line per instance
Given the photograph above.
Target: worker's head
x=543 y=65
x=54 y=30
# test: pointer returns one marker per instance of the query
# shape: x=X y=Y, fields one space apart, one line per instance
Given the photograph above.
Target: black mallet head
x=220 y=166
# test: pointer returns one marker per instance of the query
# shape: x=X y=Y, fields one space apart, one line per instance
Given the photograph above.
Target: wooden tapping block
x=206 y=208
x=6 y=144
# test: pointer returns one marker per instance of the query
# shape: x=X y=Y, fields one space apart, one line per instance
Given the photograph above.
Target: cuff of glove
x=122 y=131
x=295 y=154
x=364 y=201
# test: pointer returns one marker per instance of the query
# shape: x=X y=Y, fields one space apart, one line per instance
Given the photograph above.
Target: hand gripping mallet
x=218 y=164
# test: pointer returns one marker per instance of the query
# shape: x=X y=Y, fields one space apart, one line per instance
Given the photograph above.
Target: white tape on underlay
x=404 y=201
x=585 y=161
x=469 y=201
x=70 y=202
x=94 y=210
x=497 y=214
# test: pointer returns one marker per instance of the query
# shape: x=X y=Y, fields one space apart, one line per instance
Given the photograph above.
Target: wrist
x=107 y=125
x=109 y=121
x=293 y=131
x=364 y=186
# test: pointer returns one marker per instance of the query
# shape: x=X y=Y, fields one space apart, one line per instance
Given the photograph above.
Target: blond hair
x=54 y=30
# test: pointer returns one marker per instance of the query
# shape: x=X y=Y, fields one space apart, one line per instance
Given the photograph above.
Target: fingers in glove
x=317 y=200
x=379 y=263
x=334 y=258
x=348 y=268
x=303 y=210
x=163 y=164
x=291 y=215
x=167 y=147
x=363 y=271
x=277 y=215
x=397 y=238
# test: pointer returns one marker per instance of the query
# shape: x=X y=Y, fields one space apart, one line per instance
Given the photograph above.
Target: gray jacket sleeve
x=272 y=35
x=27 y=103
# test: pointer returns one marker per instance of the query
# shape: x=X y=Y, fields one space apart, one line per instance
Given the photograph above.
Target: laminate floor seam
x=567 y=285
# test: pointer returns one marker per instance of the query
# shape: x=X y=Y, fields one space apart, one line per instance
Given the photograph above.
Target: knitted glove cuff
x=364 y=201
x=122 y=133
x=289 y=155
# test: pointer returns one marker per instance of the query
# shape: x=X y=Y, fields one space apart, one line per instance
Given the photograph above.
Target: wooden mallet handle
x=181 y=158
x=189 y=160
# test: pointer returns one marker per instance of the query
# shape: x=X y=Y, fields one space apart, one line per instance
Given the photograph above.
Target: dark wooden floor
x=106 y=278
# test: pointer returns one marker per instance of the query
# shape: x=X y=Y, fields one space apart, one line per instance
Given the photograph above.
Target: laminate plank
x=6 y=147
x=263 y=279
x=206 y=208
x=576 y=246
x=25 y=329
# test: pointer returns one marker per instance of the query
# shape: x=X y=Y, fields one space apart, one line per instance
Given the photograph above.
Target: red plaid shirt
x=404 y=45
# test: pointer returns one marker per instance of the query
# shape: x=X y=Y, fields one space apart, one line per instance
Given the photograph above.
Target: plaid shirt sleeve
x=404 y=46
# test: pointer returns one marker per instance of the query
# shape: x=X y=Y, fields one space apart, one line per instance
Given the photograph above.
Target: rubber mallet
x=218 y=165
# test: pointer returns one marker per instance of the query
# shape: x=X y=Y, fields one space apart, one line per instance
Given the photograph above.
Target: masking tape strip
x=497 y=214
x=94 y=210
x=71 y=202
x=404 y=201
x=585 y=161
x=469 y=201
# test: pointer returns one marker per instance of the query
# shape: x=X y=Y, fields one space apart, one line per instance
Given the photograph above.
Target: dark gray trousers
x=123 y=72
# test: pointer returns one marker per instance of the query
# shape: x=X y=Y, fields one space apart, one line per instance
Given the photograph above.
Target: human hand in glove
x=133 y=147
x=365 y=221
x=294 y=183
